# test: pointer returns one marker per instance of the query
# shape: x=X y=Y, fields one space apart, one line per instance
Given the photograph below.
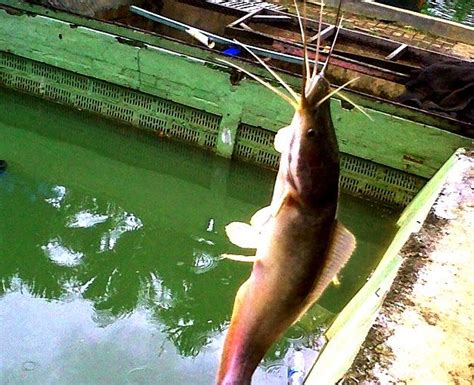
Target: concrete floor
x=424 y=333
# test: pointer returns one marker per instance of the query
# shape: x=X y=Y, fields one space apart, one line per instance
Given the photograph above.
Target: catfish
x=300 y=245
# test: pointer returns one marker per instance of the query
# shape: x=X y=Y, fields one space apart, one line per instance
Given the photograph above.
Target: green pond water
x=109 y=253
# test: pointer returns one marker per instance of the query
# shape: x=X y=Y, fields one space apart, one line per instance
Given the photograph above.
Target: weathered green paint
x=138 y=37
x=415 y=213
x=351 y=326
x=228 y=130
x=387 y=139
x=203 y=85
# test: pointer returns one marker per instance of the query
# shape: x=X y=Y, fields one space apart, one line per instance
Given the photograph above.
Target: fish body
x=299 y=249
x=300 y=246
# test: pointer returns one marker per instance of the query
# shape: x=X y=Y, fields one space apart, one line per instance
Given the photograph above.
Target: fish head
x=312 y=154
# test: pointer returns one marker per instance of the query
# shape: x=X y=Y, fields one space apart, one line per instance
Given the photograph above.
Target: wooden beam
x=245 y=18
x=395 y=55
x=324 y=33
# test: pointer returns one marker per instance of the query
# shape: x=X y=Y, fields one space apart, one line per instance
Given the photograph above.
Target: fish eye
x=311 y=133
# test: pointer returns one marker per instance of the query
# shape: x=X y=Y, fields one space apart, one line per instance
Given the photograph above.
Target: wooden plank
x=245 y=18
x=324 y=33
x=395 y=55
x=246 y=27
x=272 y=18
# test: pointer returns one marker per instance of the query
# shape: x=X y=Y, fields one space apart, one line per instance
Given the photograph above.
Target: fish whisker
x=316 y=60
x=263 y=82
x=275 y=75
x=355 y=105
x=336 y=91
x=339 y=26
x=315 y=77
x=306 y=67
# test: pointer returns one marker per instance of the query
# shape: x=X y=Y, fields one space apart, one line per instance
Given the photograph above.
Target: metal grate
x=142 y=110
x=247 y=5
x=358 y=176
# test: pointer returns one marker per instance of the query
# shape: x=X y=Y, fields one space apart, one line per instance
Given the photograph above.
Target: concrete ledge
x=439 y=27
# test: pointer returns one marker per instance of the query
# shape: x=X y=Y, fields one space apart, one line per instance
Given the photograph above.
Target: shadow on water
x=109 y=252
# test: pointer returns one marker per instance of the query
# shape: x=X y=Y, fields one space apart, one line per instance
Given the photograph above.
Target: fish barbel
x=300 y=244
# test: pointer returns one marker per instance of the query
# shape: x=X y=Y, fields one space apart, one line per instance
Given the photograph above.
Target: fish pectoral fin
x=240 y=258
x=261 y=217
x=343 y=244
x=282 y=139
x=277 y=204
x=242 y=235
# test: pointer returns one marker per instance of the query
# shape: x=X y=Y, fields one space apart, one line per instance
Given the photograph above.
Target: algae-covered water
x=109 y=253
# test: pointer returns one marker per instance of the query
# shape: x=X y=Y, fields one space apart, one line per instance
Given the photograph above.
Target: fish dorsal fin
x=339 y=251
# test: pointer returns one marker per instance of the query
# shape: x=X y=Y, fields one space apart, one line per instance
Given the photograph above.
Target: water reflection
x=109 y=261
x=86 y=219
x=78 y=246
x=174 y=277
x=60 y=254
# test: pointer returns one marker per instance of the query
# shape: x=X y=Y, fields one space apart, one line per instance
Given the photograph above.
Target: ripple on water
x=297 y=333
x=29 y=366
x=203 y=262
x=274 y=368
x=126 y=222
x=58 y=193
x=141 y=375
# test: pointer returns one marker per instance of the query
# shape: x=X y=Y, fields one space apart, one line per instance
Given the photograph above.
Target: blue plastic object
x=232 y=51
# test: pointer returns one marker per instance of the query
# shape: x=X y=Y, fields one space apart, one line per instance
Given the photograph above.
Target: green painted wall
x=205 y=85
